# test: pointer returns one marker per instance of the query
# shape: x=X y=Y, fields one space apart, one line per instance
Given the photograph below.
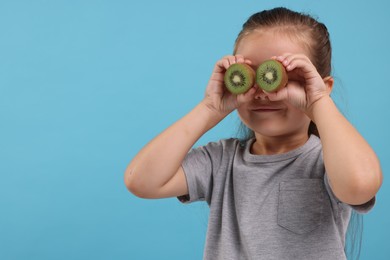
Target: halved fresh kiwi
x=239 y=78
x=271 y=75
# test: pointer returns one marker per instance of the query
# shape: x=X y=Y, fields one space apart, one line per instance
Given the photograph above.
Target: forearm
x=353 y=168
x=160 y=159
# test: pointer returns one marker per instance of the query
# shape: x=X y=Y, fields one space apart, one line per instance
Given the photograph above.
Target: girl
x=288 y=190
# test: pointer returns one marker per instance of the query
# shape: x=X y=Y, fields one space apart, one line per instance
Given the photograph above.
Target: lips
x=266 y=109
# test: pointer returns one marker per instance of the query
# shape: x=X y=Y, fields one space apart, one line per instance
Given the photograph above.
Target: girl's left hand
x=305 y=85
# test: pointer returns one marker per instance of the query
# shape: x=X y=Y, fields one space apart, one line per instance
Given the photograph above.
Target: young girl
x=287 y=191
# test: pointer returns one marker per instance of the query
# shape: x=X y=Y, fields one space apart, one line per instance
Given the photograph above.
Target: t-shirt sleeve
x=362 y=209
x=199 y=165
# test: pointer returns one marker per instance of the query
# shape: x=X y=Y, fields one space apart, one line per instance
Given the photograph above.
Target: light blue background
x=85 y=84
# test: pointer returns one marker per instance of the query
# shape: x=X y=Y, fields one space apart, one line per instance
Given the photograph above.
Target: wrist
x=322 y=104
x=210 y=115
x=212 y=111
x=319 y=105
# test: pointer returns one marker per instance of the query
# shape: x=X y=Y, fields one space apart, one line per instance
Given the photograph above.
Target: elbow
x=134 y=186
x=369 y=185
x=361 y=195
x=361 y=190
x=130 y=183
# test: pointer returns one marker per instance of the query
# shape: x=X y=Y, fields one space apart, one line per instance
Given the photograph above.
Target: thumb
x=279 y=95
x=248 y=96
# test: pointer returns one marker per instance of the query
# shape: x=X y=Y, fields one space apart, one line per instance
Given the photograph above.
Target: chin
x=279 y=127
x=272 y=132
x=280 y=130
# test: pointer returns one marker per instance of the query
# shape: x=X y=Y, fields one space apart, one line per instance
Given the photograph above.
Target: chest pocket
x=300 y=205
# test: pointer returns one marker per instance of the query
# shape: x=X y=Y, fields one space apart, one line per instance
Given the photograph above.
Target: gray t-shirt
x=267 y=206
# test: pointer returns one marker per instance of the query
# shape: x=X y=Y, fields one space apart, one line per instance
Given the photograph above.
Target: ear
x=329 y=81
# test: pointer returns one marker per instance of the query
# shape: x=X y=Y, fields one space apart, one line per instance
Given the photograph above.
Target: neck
x=268 y=145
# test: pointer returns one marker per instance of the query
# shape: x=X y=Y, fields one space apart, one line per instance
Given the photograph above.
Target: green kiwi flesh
x=239 y=78
x=271 y=75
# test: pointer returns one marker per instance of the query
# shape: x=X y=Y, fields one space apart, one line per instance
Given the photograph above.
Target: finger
x=291 y=62
x=247 y=61
x=219 y=65
x=282 y=57
x=247 y=96
x=239 y=58
x=232 y=60
x=305 y=66
x=223 y=64
x=287 y=59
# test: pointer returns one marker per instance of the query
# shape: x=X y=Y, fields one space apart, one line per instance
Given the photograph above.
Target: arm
x=160 y=160
x=156 y=171
x=353 y=169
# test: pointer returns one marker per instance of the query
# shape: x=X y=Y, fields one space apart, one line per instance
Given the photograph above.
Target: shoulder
x=218 y=150
x=314 y=143
x=222 y=144
x=312 y=148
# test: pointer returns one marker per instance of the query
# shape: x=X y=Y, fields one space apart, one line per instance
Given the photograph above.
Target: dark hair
x=307 y=30
x=314 y=35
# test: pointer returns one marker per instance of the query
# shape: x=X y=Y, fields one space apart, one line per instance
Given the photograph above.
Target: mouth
x=266 y=109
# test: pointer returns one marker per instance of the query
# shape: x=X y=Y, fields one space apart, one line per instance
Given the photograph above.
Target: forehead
x=259 y=46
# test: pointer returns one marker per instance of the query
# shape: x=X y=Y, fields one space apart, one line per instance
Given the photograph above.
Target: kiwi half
x=271 y=75
x=239 y=78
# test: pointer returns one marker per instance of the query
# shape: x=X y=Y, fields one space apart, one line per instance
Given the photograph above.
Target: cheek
x=289 y=120
x=244 y=115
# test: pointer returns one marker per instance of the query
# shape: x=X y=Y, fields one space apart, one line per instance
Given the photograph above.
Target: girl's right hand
x=217 y=97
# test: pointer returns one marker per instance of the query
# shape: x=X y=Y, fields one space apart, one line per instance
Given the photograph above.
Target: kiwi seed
x=271 y=75
x=239 y=78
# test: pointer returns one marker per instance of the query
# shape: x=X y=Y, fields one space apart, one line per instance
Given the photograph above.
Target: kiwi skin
x=243 y=70
x=280 y=70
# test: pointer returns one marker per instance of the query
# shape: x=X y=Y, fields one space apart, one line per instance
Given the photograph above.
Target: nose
x=260 y=95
